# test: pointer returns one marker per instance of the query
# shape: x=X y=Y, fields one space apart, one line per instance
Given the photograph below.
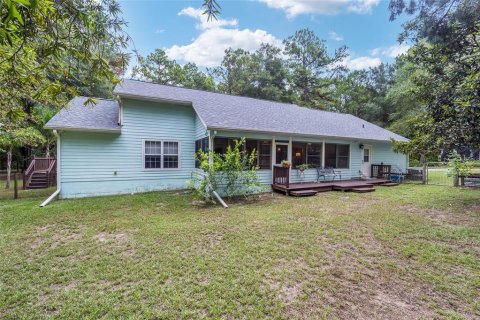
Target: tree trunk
x=424 y=168
x=9 y=167
x=455 y=180
x=47 y=150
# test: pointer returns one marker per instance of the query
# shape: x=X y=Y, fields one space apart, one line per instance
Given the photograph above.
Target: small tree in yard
x=15 y=133
x=233 y=173
x=458 y=167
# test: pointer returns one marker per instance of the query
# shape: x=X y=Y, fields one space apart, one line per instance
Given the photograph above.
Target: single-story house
x=146 y=139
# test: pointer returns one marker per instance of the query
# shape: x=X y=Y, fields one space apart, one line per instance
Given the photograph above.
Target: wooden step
x=303 y=193
x=362 y=190
x=37 y=187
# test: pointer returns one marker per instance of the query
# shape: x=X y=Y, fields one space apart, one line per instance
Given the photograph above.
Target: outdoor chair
x=397 y=175
x=330 y=172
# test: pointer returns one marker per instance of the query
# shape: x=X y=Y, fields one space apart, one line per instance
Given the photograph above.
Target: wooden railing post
x=15 y=186
x=288 y=177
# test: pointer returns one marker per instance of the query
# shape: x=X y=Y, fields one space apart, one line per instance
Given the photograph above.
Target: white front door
x=366 y=161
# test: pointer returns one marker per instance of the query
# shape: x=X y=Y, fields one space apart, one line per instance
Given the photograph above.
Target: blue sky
x=179 y=27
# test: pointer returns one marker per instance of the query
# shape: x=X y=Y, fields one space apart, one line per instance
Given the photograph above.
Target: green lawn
x=9 y=193
x=406 y=252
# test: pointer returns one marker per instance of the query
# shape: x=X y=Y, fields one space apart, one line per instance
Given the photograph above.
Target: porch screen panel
x=265 y=154
x=200 y=144
x=337 y=155
x=314 y=154
x=299 y=155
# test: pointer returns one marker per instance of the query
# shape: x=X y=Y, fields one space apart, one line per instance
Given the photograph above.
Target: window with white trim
x=159 y=154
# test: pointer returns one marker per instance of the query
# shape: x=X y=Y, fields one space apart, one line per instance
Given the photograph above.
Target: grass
x=411 y=251
x=22 y=194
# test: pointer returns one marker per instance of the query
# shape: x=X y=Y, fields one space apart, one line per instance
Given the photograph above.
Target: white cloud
x=392 y=51
x=209 y=47
x=335 y=36
x=203 y=22
x=361 y=63
x=294 y=8
x=159 y=31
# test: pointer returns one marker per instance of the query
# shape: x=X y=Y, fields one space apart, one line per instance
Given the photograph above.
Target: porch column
x=274 y=154
x=323 y=153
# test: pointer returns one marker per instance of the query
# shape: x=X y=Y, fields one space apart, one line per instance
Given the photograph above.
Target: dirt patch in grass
x=358 y=278
x=116 y=238
x=120 y=242
x=466 y=218
x=49 y=237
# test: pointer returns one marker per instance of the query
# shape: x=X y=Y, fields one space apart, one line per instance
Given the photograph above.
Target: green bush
x=414 y=163
x=231 y=174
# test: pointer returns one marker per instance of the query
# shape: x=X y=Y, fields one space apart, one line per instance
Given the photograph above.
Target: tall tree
x=404 y=97
x=364 y=93
x=447 y=48
x=15 y=132
x=51 y=51
x=237 y=72
x=260 y=74
x=273 y=77
x=57 y=41
x=312 y=68
x=158 y=68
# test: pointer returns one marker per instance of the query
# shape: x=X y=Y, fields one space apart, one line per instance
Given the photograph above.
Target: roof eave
x=104 y=130
x=150 y=98
x=294 y=134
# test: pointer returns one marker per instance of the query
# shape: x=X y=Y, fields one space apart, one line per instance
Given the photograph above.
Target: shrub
x=231 y=174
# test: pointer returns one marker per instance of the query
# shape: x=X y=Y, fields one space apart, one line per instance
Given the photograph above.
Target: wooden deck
x=343 y=185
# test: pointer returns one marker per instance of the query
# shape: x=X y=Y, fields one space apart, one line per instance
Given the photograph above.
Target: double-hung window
x=161 y=154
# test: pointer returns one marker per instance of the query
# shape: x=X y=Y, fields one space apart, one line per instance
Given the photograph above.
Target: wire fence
x=438 y=173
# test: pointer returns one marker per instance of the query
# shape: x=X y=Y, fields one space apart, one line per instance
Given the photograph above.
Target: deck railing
x=52 y=173
x=281 y=175
x=46 y=164
x=381 y=171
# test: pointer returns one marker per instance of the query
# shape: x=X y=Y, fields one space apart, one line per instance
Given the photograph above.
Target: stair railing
x=28 y=173
x=52 y=173
x=47 y=164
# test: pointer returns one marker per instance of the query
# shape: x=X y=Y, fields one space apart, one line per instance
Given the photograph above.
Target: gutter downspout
x=57 y=192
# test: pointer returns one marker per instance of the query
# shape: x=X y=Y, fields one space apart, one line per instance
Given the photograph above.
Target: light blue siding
x=94 y=164
x=200 y=129
x=382 y=152
x=105 y=163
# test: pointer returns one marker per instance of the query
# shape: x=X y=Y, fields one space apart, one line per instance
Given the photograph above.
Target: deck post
x=15 y=186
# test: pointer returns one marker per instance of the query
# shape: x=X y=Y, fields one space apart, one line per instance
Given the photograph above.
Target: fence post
x=424 y=173
x=455 y=180
x=15 y=186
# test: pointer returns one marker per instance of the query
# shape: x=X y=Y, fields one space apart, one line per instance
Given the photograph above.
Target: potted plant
x=303 y=167
x=286 y=164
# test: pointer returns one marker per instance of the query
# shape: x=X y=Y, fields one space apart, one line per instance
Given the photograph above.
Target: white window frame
x=162 y=154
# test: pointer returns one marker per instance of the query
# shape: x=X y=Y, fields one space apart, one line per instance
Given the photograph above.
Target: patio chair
x=324 y=172
x=397 y=175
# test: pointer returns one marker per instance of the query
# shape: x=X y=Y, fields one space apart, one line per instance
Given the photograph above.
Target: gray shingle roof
x=102 y=116
x=222 y=111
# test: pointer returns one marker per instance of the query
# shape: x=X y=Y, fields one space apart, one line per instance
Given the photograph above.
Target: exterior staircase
x=41 y=173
